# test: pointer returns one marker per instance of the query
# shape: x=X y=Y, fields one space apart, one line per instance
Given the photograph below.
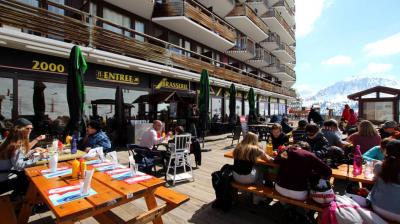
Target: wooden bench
x=7 y=210
x=273 y=194
x=171 y=197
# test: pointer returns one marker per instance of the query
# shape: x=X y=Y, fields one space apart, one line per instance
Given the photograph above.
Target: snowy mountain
x=335 y=96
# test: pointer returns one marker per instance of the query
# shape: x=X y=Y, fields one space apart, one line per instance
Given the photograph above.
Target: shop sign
x=117 y=77
x=172 y=84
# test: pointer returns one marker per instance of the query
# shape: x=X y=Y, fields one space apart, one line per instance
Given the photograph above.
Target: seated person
x=95 y=137
x=152 y=136
x=385 y=194
x=300 y=133
x=377 y=152
x=278 y=137
x=15 y=154
x=366 y=136
x=245 y=155
x=331 y=132
x=318 y=143
x=286 y=128
x=27 y=126
x=389 y=129
x=291 y=181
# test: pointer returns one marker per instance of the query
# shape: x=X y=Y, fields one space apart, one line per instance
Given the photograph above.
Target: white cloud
x=384 y=47
x=376 y=68
x=307 y=13
x=338 y=60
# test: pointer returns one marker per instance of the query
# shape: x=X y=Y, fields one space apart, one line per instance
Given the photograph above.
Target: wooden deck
x=198 y=208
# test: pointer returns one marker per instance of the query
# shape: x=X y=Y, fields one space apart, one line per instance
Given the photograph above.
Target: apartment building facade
x=146 y=47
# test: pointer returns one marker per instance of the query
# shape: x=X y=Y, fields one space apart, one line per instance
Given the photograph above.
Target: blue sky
x=340 y=39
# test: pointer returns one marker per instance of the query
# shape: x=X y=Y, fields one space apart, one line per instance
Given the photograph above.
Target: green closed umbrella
x=204 y=102
x=252 y=106
x=232 y=104
x=76 y=90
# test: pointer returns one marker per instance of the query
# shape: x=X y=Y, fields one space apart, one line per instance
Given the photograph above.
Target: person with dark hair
x=315 y=117
x=300 y=133
x=278 y=137
x=331 y=132
x=389 y=129
x=285 y=125
x=95 y=137
x=346 y=113
x=318 y=143
x=385 y=194
x=293 y=182
x=353 y=118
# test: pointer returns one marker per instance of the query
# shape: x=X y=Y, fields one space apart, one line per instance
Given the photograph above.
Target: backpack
x=221 y=181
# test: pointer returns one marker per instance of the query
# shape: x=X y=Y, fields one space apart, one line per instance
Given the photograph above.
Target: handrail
x=243 y=43
x=274 y=13
x=285 y=47
x=286 y=5
x=244 y=10
x=88 y=30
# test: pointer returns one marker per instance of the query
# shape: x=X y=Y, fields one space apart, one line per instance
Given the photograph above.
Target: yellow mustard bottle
x=270 y=150
x=75 y=169
x=83 y=167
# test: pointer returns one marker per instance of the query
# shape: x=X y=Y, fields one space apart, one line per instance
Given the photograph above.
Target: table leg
x=29 y=201
x=152 y=203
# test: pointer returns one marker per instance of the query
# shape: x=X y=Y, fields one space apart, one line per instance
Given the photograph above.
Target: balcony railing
x=244 y=44
x=274 y=13
x=263 y=55
x=87 y=30
x=286 y=48
x=244 y=10
x=287 y=70
x=198 y=14
x=286 y=5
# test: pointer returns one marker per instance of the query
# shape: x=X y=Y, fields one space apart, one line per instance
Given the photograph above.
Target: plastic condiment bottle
x=83 y=167
x=75 y=168
x=270 y=150
x=357 y=161
x=74 y=145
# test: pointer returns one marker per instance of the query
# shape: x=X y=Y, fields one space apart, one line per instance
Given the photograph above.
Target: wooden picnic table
x=110 y=194
x=339 y=173
x=64 y=157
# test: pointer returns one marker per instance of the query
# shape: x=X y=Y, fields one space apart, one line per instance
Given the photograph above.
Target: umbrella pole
x=204 y=140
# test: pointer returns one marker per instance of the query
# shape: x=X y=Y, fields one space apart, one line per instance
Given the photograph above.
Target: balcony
x=286 y=11
x=221 y=7
x=259 y=6
x=276 y=23
x=243 y=50
x=193 y=20
x=87 y=30
x=284 y=53
x=272 y=42
x=144 y=9
x=244 y=19
x=262 y=58
x=285 y=73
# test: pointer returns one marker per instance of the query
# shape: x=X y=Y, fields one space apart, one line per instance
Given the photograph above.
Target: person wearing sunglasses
x=318 y=143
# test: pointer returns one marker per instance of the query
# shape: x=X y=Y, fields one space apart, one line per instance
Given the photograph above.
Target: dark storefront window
x=6 y=96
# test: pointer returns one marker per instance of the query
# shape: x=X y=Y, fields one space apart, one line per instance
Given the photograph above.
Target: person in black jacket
x=315 y=116
x=278 y=137
x=318 y=143
x=286 y=128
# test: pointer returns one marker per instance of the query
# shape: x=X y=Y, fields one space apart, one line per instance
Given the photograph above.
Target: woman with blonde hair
x=367 y=136
x=245 y=155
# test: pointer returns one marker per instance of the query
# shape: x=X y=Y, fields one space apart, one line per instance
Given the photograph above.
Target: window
x=246 y=107
x=176 y=40
x=34 y=3
x=6 y=97
x=56 y=9
x=238 y=107
x=216 y=106
x=139 y=26
x=118 y=19
x=187 y=47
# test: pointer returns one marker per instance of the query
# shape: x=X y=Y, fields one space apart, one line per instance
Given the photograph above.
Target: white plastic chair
x=180 y=154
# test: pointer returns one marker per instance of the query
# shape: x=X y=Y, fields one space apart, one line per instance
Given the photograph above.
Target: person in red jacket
x=346 y=113
x=353 y=118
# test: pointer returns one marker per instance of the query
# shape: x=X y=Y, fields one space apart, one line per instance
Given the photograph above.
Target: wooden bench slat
x=271 y=193
x=170 y=196
x=7 y=210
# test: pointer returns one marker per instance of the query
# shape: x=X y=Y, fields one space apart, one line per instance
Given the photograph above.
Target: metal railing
x=243 y=43
x=86 y=30
x=274 y=13
x=244 y=10
x=286 y=5
x=285 y=47
x=286 y=69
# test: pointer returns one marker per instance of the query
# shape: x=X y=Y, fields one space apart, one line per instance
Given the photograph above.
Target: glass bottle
x=357 y=161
